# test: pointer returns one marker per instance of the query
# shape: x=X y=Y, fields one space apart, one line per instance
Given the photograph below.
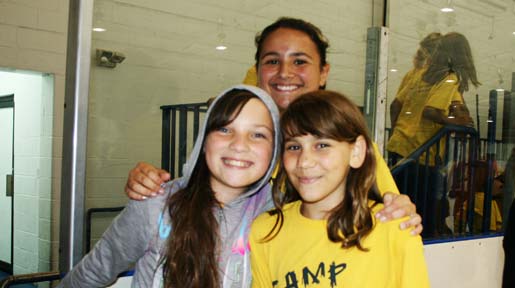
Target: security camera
x=117 y=57
x=106 y=58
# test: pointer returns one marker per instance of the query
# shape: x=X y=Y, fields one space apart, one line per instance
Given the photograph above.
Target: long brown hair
x=453 y=55
x=427 y=48
x=192 y=248
x=328 y=114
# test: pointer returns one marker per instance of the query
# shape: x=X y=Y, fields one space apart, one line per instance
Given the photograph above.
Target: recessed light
x=221 y=47
x=489 y=121
x=98 y=29
x=450 y=80
x=447 y=10
x=393 y=70
x=451 y=117
x=408 y=112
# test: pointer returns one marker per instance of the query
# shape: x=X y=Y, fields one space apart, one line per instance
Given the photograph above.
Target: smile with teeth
x=286 y=88
x=237 y=163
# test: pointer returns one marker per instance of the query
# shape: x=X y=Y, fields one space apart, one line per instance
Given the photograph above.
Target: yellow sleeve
x=406 y=80
x=251 y=77
x=413 y=270
x=384 y=179
x=258 y=258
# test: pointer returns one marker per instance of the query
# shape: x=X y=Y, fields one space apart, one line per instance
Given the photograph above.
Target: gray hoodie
x=138 y=235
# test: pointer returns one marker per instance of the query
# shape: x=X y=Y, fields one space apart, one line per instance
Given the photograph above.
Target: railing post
x=165 y=139
x=74 y=133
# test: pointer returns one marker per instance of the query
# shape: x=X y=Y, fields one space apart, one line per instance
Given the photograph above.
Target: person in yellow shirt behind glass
x=405 y=110
x=322 y=232
x=420 y=110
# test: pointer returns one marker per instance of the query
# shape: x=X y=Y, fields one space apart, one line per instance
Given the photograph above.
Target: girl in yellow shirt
x=322 y=232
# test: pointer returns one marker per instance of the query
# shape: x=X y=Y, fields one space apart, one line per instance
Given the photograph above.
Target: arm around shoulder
x=384 y=179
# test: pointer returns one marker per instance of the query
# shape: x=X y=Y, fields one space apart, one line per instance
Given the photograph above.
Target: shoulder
x=150 y=210
x=263 y=224
x=390 y=231
x=450 y=81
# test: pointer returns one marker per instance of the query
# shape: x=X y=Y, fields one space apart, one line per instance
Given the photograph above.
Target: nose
x=306 y=159
x=239 y=143
x=285 y=71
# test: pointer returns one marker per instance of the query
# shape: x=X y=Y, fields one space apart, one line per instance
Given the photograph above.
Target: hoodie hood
x=199 y=143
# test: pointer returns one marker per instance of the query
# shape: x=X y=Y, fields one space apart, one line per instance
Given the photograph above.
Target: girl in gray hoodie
x=196 y=233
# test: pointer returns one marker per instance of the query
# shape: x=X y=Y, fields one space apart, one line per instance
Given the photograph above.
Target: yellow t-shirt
x=251 y=76
x=412 y=129
x=412 y=95
x=301 y=255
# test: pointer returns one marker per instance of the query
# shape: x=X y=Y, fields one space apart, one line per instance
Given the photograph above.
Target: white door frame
x=7 y=101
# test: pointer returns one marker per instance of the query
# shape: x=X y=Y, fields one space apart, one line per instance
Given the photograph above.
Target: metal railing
x=89 y=216
x=500 y=149
x=176 y=137
x=29 y=278
x=447 y=167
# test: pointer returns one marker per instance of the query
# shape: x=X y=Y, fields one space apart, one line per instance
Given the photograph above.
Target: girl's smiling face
x=318 y=168
x=289 y=66
x=239 y=153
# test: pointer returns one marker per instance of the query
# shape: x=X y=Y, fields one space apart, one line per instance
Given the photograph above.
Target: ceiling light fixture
x=221 y=36
x=98 y=29
x=448 y=8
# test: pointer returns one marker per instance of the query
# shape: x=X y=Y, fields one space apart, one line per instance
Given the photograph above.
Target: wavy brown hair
x=427 y=48
x=328 y=114
x=192 y=248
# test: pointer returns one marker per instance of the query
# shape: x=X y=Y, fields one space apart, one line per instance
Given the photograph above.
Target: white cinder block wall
x=33 y=37
x=33 y=97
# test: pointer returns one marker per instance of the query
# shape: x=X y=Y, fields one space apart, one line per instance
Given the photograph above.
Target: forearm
x=438 y=116
x=384 y=179
x=435 y=115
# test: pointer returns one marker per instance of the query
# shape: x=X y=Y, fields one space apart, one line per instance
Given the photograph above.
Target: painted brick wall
x=33 y=37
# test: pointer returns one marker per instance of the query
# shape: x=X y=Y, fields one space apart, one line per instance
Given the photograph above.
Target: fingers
x=134 y=195
x=387 y=198
x=165 y=176
x=398 y=206
x=415 y=222
x=395 y=206
x=145 y=181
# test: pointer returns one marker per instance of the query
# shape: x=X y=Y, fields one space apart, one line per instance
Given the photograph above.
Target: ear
x=358 y=152
x=324 y=73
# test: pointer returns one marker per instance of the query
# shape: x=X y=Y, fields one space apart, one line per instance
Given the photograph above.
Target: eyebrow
x=294 y=54
x=265 y=127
